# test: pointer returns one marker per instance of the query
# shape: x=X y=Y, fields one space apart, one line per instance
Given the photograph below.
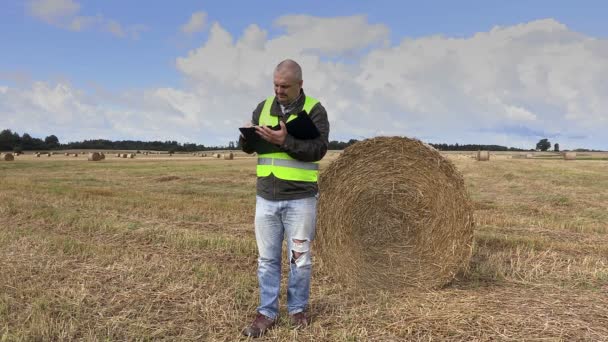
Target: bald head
x=289 y=66
x=287 y=81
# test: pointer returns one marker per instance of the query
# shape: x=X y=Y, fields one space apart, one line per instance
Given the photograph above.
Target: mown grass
x=152 y=249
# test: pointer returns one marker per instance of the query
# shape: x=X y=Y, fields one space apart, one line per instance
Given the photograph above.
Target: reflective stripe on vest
x=280 y=163
x=288 y=163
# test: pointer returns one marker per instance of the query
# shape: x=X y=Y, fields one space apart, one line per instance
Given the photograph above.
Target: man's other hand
x=273 y=137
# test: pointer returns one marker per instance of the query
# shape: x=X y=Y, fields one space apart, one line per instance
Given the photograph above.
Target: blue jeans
x=274 y=220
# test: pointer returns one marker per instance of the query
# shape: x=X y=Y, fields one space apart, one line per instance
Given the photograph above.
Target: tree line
x=12 y=141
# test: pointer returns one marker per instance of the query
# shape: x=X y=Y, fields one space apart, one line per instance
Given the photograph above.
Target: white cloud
x=197 y=23
x=509 y=86
x=66 y=14
x=52 y=11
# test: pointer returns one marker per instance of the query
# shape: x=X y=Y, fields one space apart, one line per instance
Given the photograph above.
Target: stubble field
x=157 y=248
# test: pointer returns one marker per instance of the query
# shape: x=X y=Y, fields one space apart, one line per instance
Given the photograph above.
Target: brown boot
x=259 y=326
x=299 y=320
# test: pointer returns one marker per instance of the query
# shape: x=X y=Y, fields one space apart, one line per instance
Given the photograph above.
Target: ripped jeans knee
x=300 y=253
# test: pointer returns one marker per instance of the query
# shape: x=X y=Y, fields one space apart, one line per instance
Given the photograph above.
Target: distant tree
x=27 y=143
x=7 y=141
x=543 y=144
x=231 y=145
x=556 y=147
x=51 y=142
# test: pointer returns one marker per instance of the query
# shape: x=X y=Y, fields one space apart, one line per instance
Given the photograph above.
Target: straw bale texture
x=483 y=155
x=7 y=157
x=569 y=155
x=393 y=213
x=228 y=156
x=94 y=156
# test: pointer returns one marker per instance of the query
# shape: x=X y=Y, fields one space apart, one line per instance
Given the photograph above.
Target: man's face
x=286 y=88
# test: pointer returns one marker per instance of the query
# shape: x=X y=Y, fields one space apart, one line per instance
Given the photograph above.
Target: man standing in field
x=286 y=201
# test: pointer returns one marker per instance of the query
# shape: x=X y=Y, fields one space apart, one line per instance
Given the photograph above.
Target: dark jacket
x=274 y=189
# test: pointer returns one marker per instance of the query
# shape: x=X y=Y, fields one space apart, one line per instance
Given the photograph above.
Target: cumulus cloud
x=66 y=14
x=197 y=23
x=510 y=85
x=52 y=11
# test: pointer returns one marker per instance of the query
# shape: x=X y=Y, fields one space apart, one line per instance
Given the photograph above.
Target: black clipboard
x=302 y=127
x=260 y=145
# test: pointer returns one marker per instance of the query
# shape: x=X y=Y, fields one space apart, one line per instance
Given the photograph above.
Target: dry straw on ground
x=94 y=156
x=570 y=155
x=393 y=213
x=7 y=157
x=483 y=155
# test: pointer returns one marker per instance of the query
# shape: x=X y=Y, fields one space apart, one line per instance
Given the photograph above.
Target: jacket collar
x=275 y=109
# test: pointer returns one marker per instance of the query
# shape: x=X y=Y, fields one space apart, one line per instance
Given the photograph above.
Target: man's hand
x=274 y=137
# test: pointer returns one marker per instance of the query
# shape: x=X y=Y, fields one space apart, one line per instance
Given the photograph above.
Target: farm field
x=162 y=248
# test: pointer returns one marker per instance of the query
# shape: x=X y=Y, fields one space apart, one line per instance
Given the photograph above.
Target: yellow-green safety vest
x=280 y=163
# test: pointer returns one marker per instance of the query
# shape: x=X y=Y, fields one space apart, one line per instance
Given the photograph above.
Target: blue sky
x=96 y=80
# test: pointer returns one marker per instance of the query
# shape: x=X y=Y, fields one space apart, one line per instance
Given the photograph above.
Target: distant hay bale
x=131 y=155
x=75 y=154
x=37 y=154
x=7 y=157
x=103 y=156
x=483 y=155
x=123 y=155
x=569 y=155
x=66 y=154
x=217 y=155
x=48 y=154
x=94 y=156
x=228 y=156
x=393 y=213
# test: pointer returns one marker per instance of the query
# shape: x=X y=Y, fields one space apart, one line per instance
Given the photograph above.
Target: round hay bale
x=94 y=156
x=103 y=156
x=393 y=213
x=228 y=156
x=66 y=154
x=123 y=155
x=569 y=155
x=217 y=155
x=37 y=154
x=75 y=154
x=483 y=155
x=131 y=155
x=48 y=154
x=7 y=157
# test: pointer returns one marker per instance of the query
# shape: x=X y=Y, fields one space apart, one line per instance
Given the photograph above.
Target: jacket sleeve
x=255 y=119
x=310 y=150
